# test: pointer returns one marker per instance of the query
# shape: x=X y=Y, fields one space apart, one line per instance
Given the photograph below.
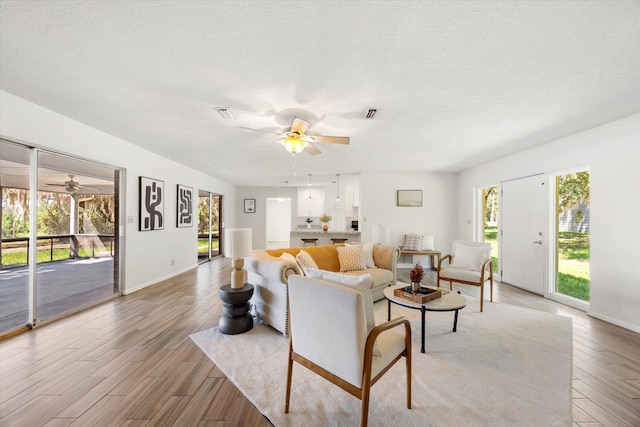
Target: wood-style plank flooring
x=130 y=362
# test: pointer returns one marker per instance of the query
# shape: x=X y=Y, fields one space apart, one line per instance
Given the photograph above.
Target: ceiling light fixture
x=294 y=144
x=370 y=113
x=225 y=113
x=338 y=187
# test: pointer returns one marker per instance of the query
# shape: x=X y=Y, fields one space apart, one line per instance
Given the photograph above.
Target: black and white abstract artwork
x=184 y=214
x=151 y=204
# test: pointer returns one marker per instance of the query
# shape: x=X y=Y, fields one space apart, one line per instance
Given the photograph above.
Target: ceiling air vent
x=225 y=113
x=370 y=113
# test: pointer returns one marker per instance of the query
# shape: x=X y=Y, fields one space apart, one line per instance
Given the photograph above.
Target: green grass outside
x=14 y=258
x=573 y=261
x=203 y=245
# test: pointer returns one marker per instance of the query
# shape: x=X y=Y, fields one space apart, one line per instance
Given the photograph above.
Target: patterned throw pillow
x=367 y=253
x=412 y=242
x=350 y=258
x=305 y=260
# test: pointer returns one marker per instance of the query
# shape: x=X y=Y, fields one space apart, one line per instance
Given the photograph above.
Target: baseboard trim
x=613 y=320
x=157 y=280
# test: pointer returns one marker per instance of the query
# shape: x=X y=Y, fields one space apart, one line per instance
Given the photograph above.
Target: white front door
x=524 y=224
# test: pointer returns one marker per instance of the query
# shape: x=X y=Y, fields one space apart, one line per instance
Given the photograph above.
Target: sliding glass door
x=209 y=225
x=60 y=247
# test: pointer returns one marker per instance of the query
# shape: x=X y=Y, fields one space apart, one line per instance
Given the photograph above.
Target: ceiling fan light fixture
x=294 y=144
x=225 y=113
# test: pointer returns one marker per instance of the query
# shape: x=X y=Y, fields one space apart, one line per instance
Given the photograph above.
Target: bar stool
x=338 y=240
x=309 y=241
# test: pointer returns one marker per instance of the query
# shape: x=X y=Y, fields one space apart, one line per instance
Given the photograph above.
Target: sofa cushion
x=350 y=258
x=461 y=274
x=379 y=276
x=325 y=256
x=305 y=260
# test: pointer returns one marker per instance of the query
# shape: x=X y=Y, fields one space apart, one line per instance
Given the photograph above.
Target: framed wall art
x=249 y=205
x=410 y=198
x=184 y=208
x=151 y=197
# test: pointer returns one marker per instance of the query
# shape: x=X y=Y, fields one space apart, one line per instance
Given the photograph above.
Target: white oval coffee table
x=449 y=301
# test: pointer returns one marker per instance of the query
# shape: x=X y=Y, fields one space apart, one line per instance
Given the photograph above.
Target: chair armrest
x=371 y=338
x=442 y=259
x=489 y=264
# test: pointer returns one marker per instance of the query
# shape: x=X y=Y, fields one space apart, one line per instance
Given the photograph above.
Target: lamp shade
x=237 y=242
x=380 y=234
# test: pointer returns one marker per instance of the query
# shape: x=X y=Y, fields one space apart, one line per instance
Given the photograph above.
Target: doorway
x=209 y=225
x=490 y=222
x=524 y=222
x=278 y=223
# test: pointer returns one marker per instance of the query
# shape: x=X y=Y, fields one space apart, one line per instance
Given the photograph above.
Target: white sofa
x=268 y=272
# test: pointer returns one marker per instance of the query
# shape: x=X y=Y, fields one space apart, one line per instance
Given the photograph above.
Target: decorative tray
x=425 y=294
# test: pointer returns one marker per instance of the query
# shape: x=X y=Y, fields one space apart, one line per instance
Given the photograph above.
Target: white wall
x=258 y=221
x=148 y=254
x=612 y=154
x=436 y=217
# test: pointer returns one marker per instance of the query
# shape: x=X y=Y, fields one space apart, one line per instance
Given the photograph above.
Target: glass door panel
x=77 y=219
x=14 y=244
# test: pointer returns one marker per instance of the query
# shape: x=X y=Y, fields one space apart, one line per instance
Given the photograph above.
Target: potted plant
x=416 y=275
x=324 y=219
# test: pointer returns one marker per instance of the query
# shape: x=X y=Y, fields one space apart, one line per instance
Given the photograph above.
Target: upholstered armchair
x=469 y=263
x=334 y=335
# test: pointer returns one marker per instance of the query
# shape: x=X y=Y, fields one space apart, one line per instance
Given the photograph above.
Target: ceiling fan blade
x=56 y=185
x=299 y=126
x=310 y=149
x=331 y=139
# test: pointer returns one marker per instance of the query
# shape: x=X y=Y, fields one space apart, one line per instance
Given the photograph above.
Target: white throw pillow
x=313 y=272
x=428 y=243
x=305 y=260
x=412 y=242
x=469 y=257
x=367 y=253
x=350 y=258
x=361 y=283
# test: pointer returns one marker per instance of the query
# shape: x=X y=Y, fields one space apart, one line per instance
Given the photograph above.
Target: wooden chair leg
x=481 y=295
x=408 y=362
x=450 y=285
x=289 y=372
x=364 y=415
x=491 y=285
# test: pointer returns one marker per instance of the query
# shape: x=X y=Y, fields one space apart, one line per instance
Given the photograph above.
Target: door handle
x=538 y=242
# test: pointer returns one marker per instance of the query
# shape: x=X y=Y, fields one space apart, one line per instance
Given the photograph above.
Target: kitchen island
x=324 y=238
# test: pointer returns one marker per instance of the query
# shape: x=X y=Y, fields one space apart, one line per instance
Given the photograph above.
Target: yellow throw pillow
x=351 y=258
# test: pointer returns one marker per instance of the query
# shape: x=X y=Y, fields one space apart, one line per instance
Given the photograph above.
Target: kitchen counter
x=324 y=238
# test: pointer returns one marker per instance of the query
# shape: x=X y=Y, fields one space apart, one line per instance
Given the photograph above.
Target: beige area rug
x=507 y=366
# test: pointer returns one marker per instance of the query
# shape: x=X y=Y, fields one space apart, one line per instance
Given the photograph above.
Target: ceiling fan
x=72 y=186
x=296 y=140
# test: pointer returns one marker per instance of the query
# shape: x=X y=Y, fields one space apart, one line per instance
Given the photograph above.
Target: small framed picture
x=151 y=204
x=184 y=213
x=249 y=205
x=410 y=198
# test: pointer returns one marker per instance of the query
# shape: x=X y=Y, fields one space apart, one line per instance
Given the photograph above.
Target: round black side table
x=235 y=313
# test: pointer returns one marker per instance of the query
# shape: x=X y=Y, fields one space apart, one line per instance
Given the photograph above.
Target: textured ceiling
x=455 y=83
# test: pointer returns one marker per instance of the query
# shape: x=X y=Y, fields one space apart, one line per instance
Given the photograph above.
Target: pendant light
x=310 y=199
x=338 y=187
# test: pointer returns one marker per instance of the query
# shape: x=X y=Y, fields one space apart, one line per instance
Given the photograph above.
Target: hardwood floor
x=130 y=361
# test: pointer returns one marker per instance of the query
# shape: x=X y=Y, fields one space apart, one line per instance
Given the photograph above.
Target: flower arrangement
x=417 y=273
x=325 y=218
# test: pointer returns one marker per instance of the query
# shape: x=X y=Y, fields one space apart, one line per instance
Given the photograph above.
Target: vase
x=325 y=227
x=308 y=225
x=415 y=287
